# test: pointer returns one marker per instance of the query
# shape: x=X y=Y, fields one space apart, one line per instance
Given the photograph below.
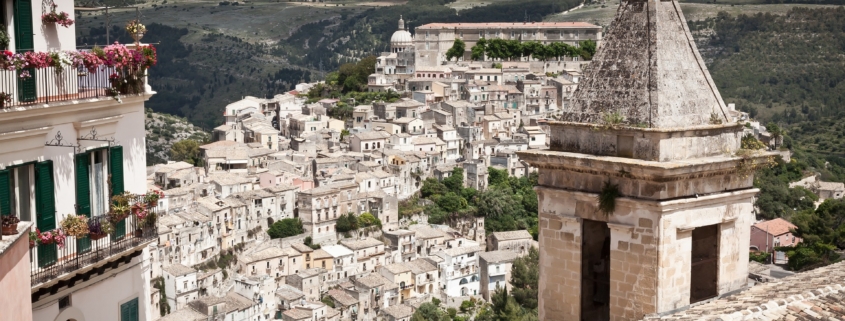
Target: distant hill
x=789 y=69
x=163 y=131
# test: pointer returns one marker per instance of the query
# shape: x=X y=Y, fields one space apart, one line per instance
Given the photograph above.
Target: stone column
x=633 y=271
x=560 y=267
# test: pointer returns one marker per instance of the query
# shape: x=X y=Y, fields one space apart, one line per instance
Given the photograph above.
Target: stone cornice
x=732 y=127
x=640 y=169
x=664 y=206
x=68 y=106
x=23 y=134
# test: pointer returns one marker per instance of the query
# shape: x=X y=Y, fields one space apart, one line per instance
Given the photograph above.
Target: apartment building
x=67 y=144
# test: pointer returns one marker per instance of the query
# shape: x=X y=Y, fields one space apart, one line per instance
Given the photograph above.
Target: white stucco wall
x=100 y=298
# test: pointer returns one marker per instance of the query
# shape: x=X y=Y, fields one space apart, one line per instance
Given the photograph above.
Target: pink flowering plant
x=56 y=236
x=60 y=18
x=129 y=65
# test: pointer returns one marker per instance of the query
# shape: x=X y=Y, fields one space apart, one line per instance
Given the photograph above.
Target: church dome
x=401 y=38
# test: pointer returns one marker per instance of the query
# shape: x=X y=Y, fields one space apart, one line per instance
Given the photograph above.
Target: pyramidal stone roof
x=648 y=70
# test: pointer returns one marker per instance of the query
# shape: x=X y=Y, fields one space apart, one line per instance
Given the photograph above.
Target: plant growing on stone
x=607 y=198
x=611 y=120
x=715 y=119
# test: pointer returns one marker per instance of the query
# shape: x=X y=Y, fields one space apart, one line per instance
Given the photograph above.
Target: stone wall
x=646 y=144
x=650 y=252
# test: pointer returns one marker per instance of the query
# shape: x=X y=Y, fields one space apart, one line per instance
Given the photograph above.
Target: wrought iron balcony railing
x=49 y=262
x=47 y=85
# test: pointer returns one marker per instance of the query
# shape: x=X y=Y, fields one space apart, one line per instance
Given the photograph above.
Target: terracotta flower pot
x=139 y=233
x=97 y=236
x=10 y=230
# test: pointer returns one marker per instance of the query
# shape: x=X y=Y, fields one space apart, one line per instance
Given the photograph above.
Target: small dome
x=401 y=38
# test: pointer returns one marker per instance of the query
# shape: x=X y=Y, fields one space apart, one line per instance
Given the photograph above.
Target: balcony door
x=24 y=42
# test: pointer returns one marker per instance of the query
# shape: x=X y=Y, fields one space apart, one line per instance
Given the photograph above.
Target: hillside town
x=282 y=158
x=288 y=213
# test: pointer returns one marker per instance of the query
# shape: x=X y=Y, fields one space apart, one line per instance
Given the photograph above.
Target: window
x=129 y=310
x=17 y=183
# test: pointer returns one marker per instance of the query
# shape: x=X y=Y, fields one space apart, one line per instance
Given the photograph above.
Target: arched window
x=464 y=281
x=474 y=278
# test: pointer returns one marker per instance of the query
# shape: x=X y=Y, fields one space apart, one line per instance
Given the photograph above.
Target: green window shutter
x=116 y=169
x=47 y=255
x=129 y=310
x=24 y=42
x=116 y=176
x=45 y=210
x=45 y=206
x=23 y=26
x=83 y=187
x=5 y=193
x=83 y=197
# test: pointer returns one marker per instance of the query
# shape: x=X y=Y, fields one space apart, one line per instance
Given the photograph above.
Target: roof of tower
x=649 y=71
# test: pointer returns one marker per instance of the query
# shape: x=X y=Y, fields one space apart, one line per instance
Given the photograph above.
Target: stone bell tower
x=648 y=130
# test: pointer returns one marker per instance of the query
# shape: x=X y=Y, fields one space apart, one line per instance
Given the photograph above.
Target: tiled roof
x=184 y=314
x=776 y=226
x=398 y=311
x=420 y=266
x=397 y=268
x=178 y=269
x=360 y=244
x=813 y=295
x=370 y=281
x=498 y=256
x=342 y=297
x=298 y=314
x=265 y=254
x=512 y=235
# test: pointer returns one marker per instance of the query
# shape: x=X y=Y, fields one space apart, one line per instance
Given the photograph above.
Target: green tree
x=431 y=186
x=186 y=150
x=457 y=50
x=455 y=182
x=496 y=177
x=587 y=49
x=824 y=225
x=525 y=277
x=346 y=222
x=429 y=312
x=451 y=202
x=366 y=220
x=504 y=306
x=285 y=228
x=479 y=49
x=495 y=202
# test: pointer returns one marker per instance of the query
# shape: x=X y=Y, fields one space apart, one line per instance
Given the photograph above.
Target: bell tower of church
x=645 y=197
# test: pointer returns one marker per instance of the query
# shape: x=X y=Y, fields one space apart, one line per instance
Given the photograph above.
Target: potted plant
x=136 y=30
x=5 y=99
x=152 y=198
x=75 y=225
x=56 y=236
x=10 y=224
x=98 y=228
x=4 y=38
x=120 y=207
x=140 y=212
x=60 y=18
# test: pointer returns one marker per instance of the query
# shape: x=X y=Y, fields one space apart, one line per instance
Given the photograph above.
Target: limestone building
x=431 y=41
x=647 y=130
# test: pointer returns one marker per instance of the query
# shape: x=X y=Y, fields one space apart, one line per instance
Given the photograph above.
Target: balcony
x=50 y=263
x=46 y=86
x=86 y=77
